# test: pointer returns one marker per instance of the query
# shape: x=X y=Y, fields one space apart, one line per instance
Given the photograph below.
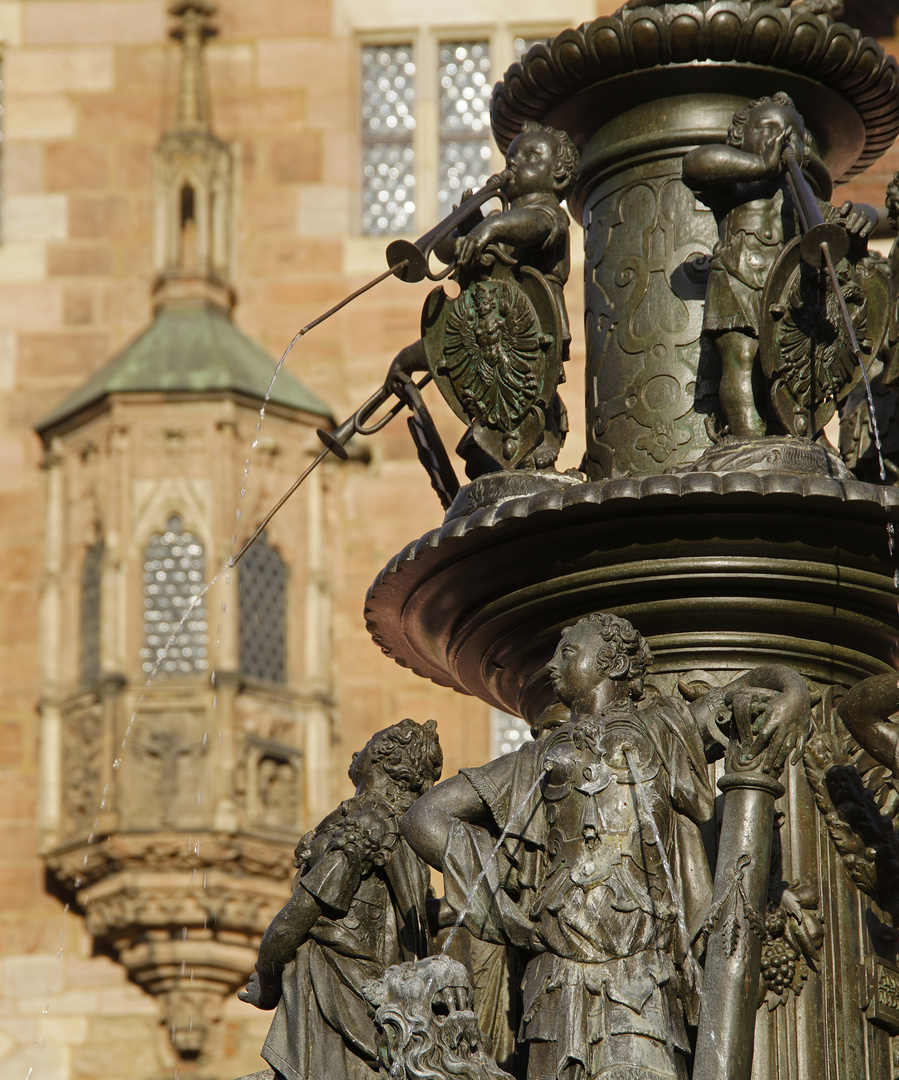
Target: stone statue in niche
x=601 y=880
x=496 y=351
x=744 y=182
x=166 y=776
x=358 y=906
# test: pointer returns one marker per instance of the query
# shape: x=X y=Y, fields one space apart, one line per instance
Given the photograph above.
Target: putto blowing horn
x=417 y=253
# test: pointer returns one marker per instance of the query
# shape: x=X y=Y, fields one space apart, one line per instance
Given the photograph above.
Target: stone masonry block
x=35 y=217
x=279 y=111
x=11 y=17
x=76 y=166
x=97 y=972
x=11 y=745
x=19 y=838
x=45 y=1062
x=323 y=210
x=79 y=306
x=24 y=306
x=143 y=69
x=17 y=798
x=61 y=1030
x=92 y=217
x=47 y=116
x=127 y=1000
x=109 y=1029
x=79 y=260
x=324 y=65
x=134 y=164
x=59 y=1003
x=115 y=1060
x=230 y=67
x=83 y=22
x=23 y=168
x=65 y=353
x=31 y=977
x=115 y=117
x=297 y=160
x=307 y=17
x=43 y=71
x=23 y=261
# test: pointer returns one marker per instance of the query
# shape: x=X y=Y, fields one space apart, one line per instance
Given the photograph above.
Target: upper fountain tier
x=843 y=84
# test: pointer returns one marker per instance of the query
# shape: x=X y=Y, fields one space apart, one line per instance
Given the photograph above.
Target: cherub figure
x=530 y=235
x=743 y=182
x=542 y=165
x=358 y=906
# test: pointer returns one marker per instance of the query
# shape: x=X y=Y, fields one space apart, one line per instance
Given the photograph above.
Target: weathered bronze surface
x=358 y=906
x=603 y=882
x=620 y=920
x=496 y=350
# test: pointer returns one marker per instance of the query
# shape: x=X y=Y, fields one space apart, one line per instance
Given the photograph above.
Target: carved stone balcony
x=179 y=807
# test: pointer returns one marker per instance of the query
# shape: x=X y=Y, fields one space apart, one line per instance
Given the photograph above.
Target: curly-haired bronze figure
x=497 y=350
x=601 y=880
x=358 y=906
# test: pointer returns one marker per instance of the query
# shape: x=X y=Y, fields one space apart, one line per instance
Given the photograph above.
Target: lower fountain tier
x=718 y=571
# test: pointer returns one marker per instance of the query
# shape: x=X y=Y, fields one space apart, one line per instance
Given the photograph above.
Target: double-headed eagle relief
x=492 y=346
x=496 y=350
x=495 y=353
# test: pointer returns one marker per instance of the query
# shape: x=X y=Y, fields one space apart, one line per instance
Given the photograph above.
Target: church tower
x=186 y=705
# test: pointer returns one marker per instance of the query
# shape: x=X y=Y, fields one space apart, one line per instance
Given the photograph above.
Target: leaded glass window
x=263 y=613
x=388 y=122
x=91 y=570
x=507 y=733
x=175 y=617
x=523 y=44
x=464 y=120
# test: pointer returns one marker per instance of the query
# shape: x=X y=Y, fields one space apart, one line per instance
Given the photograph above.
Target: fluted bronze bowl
x=718 y=570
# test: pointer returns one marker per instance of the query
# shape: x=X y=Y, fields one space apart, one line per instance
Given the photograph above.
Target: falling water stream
x=513 y=818
x=225 y=571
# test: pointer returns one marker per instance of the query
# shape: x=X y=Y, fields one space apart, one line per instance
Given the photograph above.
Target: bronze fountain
x=693 y=870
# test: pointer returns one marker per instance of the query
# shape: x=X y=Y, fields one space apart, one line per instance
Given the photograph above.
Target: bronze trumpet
x=356 y=424
x=417 y=253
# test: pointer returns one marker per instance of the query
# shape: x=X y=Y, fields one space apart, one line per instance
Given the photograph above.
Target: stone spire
x=193 y=184
x=193 y=100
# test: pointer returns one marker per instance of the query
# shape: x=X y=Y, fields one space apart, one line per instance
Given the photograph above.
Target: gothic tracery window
x=89 y=659
x=428 y=100
x=175 y=616
x=263 y=613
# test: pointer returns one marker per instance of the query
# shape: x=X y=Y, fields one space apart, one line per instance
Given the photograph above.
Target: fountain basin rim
x=677 y=36
x=619 y=544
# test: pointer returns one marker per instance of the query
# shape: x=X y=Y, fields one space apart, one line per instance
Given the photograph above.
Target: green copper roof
x=192 y=350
